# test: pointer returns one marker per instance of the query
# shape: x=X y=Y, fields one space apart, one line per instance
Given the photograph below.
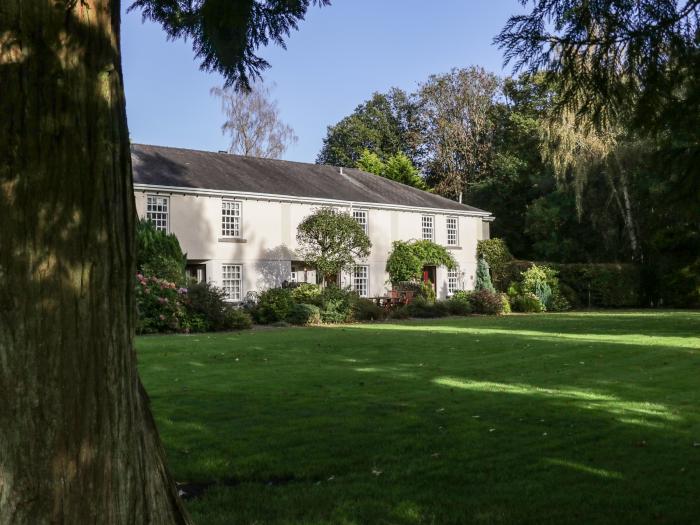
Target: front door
x=430 y=275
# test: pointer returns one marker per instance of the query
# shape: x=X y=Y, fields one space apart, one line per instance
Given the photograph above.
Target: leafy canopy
x=398 y=168
x=407 y=259
x=332 y=241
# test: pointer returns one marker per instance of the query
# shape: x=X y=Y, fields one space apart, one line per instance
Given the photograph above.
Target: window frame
x=155 y=220
x=365 y=221
x=228 y=288
x=455 y=220
x=364 y=278
x=239 y=226
x=453 y=275
x=424 y=227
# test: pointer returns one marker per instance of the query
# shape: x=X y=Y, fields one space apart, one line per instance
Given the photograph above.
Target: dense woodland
x=568 y=181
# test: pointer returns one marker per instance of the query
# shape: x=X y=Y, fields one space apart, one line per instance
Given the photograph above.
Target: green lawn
x=557 y=418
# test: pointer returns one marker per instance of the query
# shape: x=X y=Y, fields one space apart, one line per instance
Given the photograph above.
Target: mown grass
x=562 y=418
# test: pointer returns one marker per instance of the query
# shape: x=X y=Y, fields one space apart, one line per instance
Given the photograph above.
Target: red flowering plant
x=161 y=306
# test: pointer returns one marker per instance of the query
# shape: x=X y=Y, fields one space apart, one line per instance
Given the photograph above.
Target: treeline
x=560 y=191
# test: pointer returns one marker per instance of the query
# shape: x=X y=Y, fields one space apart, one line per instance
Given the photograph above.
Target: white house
x=236 y=218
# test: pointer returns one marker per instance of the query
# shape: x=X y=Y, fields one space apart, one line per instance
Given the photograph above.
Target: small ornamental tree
x=332 y=241
x=407 y=259
x=483 y=277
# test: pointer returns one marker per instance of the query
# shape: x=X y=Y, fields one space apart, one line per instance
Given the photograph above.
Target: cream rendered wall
x=268 y=238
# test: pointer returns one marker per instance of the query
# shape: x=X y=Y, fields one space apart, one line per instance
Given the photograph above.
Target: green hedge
x=609 y=285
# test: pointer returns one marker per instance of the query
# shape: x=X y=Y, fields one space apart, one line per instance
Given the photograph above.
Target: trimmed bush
x=336 y=304
x=399 y=312
x=527 y=302
x=305 y=293
x=366 y=310
x=304 y=314
x=483 y=277
x=459 y=303
x=423 y=308
x=505 y=302
x=237 y=319
x=273 y=305
x=207 y=307
x=485 y=302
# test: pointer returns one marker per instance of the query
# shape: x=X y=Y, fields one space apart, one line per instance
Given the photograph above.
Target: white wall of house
x=266 y=244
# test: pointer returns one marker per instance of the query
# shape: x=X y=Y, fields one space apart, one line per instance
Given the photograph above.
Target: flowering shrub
x=161 y=306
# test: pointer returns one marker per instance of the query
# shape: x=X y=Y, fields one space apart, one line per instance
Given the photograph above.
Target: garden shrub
x=486 y=302
x=160 y=306
x=505 y=302
x=399 y=312
x=366 y=310
x=207 y=302
x=159 y=254
x=237 y=319
x=305 y=293
x=534 y=280
x=304 y=314
x=499 y=258
x=459 y=303
x=427 y=291
x=421 y=307
x=336 y=304
x=527 y=302
x=273 y=305
x=483 y=278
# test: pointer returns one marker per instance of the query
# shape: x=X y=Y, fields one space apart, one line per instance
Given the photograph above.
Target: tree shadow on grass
x=396 y=426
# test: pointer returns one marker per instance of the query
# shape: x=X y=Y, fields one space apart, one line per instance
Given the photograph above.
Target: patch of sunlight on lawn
x=623 y=339
x=601 y=472
x=589 y=399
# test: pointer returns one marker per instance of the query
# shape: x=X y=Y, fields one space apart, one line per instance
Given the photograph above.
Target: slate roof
x=186 y=168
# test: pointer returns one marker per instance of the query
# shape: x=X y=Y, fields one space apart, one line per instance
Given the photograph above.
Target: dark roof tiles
x=185 y=168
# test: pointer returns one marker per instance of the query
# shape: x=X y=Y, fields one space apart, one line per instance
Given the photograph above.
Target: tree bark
x=78 y=444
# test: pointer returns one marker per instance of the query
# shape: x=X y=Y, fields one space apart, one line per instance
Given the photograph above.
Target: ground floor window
x=452 y=280
x=360 y=280
x=231 y=281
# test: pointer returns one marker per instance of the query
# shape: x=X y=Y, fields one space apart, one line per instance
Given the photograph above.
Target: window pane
x=360 y=280
x=231 y=281
x=427 y=227
x=230 y=219
x=452 y=280
x=361 y=217
x=157 y=211
x=452 y=234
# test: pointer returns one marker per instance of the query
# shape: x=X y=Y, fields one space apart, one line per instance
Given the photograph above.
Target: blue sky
x=337 y=59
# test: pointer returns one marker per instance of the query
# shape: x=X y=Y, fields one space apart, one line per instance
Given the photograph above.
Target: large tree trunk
x=78 y=444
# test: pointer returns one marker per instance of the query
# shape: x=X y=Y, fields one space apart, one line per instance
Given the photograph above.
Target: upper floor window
x=157 y=211
x=452 y=280
x=360 y=280
x=361 y=217
x=452 y=231
x=427 y=223
x=230 y=218
x=232 y=281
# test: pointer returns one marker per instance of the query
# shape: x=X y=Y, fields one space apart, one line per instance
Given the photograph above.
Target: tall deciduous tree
x=456 y=115
x=384 y=124
x=78 y=443
x=253 y=122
